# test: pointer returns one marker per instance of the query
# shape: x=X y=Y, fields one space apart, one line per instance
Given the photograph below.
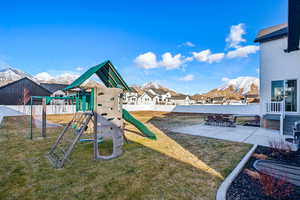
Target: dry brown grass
x=140 y=173
x=60 y=119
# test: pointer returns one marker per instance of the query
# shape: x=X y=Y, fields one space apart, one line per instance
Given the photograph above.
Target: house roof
x=272 y=33
x=150 y=94
x=291 y=30
x=106 y=72
x=25 y=78
x=133 y=90
x=179 y=97
x=53 y=87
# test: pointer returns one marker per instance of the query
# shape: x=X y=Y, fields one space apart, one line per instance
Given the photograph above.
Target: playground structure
x=104 y=113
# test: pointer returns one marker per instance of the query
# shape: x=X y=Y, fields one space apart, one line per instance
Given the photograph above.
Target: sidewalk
x=245 y=134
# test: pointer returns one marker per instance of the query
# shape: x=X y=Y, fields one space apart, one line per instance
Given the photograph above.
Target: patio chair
x=219 y=120
x=210 y=120
x=296 y=131
x=294 y=141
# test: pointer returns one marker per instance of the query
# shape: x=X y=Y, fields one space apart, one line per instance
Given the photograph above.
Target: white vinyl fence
x=50 y=109
x=250 y=109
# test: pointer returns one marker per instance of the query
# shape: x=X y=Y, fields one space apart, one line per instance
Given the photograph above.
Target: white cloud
x=225 y=79
x=188 y=44
x=189 y=59
x=217 y=57
x=79 y=68
x=147 y=60
x=207 y=56
x=202 y=56
x=171 y=62
x=243 y=51
x=188 y=77
x=235 y=36
x=65 y=76
x=44 y=76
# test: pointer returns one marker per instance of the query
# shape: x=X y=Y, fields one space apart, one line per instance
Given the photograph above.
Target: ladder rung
x=69 y=141
x=54 y=158
x=62 y=150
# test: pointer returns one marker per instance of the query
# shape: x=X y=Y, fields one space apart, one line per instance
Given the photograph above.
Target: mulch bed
x=246 y=187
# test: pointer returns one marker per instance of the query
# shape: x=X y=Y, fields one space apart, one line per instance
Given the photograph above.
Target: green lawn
x=140 y=173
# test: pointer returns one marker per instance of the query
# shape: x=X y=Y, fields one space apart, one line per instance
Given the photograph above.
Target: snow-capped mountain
x=65 y=78
x=233 y=89
x=243 y=84
x=155 y=85
x=10 y=74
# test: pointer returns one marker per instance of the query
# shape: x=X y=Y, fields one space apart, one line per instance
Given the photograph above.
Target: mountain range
x=233 y=88
x=10 y=74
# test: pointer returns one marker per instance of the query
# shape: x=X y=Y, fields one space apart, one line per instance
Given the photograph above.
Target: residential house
x=218 y=99
x=131 y=97
x=201 y=101
x=147 y=98
x=280 y=72
x=181 y=100
x=56 y=91
x=162 y=96
x=251 y=98
x=20 y=91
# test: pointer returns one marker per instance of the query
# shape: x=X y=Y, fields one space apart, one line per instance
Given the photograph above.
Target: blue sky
x=180 y=44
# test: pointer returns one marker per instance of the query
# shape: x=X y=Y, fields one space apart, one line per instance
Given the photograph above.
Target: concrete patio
x=245 y=134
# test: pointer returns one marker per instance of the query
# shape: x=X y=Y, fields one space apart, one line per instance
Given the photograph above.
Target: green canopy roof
x=106 y=72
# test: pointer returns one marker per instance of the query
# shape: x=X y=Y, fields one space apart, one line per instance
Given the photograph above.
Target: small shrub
x=275 y=188
x=281 y=149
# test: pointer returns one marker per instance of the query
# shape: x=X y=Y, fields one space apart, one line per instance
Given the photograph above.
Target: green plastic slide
x=139 y=125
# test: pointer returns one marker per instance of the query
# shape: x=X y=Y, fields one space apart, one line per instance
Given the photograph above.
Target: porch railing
x=277 y=107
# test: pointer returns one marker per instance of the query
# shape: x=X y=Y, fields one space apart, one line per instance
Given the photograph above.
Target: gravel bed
x=245 y=187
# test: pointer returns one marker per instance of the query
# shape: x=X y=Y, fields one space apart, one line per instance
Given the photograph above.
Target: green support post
x=77 y=103
x=83 y=103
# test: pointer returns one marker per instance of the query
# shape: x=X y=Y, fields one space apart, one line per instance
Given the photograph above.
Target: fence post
x=31 y=118
x=44 y=118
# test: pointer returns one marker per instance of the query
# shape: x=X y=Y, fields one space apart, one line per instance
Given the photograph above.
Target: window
x=277 y=90
x=285 y=90
x=291 y=95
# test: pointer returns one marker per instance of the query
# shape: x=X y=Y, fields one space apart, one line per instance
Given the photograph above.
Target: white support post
x=282 y=116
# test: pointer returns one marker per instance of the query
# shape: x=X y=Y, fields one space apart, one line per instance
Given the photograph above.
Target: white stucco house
x=181 y=100
x=162 y=96
x=147 y=99
x=279 y=79
x=130 y=97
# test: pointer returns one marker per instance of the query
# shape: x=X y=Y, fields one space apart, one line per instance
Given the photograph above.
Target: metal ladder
x=66 y=141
